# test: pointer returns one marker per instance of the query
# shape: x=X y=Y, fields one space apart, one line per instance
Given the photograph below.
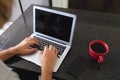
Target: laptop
x=52 y=27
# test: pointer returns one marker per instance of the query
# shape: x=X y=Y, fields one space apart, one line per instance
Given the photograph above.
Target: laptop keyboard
x=44 y=43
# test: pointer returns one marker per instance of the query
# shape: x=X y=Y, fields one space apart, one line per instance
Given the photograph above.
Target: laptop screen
x=52 y=24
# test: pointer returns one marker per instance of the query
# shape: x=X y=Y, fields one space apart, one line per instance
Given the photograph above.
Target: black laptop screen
x=54 y=25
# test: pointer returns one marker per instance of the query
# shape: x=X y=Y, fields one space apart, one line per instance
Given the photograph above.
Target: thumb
x=32 y=50
x=41 y=53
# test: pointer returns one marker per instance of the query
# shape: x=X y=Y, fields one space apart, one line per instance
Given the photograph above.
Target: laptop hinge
x=51 y=39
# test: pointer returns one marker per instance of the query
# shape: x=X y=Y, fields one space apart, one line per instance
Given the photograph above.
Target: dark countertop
x=89 y=26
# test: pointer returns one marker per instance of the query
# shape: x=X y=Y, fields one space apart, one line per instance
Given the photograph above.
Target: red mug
x=98 y=50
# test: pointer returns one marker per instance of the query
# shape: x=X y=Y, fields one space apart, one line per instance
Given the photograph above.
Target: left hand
x=23 y=47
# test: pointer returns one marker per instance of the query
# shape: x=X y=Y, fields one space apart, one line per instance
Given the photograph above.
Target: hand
x=23 y=47
x=48 y=58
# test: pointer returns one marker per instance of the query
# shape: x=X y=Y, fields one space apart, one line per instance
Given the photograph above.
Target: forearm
x=46 y=74
x=6 y=54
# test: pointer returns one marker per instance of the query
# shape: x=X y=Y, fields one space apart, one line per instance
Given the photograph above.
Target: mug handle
x=100 y=59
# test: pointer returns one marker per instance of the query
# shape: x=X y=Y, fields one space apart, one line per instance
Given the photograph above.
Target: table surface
x=89 y=26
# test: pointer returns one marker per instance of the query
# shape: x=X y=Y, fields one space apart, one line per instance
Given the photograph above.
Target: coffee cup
x=98 y=49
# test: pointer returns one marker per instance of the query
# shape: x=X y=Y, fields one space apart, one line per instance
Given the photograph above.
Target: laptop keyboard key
x=44 y=43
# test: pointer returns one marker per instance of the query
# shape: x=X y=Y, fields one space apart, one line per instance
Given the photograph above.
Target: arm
x=20 y=49
x=48 y=58
x=6 y=54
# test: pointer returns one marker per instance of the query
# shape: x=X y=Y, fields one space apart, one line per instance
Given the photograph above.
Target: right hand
x=48 y=58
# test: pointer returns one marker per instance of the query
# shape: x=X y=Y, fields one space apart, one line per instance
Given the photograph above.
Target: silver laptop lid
x=53 y=24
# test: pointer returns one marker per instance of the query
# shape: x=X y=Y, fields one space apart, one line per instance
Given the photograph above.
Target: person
x=47 y=57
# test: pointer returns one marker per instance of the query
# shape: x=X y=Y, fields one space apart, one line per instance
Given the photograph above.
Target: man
x=48 y=56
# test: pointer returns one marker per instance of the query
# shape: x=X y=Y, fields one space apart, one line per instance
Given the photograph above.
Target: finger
x=56 y=51
x=32 y=50
x=26 y=38
x=34 y=42
x=54 y=48
x=34 y=39
x=45 y=48
x=51 y=47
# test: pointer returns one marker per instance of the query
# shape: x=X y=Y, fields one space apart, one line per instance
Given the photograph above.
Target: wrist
x=46 y=73
x=46 y=70
x=12 y=51
x=6 y=54
x=47 y=67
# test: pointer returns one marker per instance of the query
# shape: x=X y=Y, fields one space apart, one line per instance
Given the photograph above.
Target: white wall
x=25 y=3
x=60 y=3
